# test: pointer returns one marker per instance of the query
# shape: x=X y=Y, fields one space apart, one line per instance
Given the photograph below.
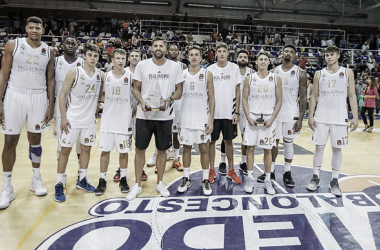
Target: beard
x=287 y=59
x=158 y=55
x=242 y=64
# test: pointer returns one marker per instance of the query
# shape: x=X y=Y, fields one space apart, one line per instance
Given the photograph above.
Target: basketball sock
x=61 y=178
x=318 y=155
x=36 y=172
x=82 y=173
x=272 y=166
x=176 y=154
x=267 y=176
x=155 y=151
x=250 y=174
x=123 y=172
x=186 y=172
x=336 y=162
x=316 y=170
x=7 y=176
x=223 y=157
x=104 y=175
x=206 y=173
x=288 y=165
x=243 y=159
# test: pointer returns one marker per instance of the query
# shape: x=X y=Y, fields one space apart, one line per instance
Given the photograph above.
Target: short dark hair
x=195 y=47
x=332 y=48
x=91 y=47
x=120 y=51
x=34 y=19
x=69 y=36
x=158 y=38
x=290 y=46
x=242 y=51
x=172 y=44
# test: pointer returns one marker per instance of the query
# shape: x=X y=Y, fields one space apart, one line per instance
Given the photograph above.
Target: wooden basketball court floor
x=30 y=220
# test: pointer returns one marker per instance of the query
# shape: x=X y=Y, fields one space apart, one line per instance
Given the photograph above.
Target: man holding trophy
x=157 y=82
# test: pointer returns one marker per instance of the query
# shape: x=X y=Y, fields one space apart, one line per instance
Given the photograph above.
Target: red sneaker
x=117 y=175
x=232 y=175
x=144 y=176
x=177 y=165
x=212 y=175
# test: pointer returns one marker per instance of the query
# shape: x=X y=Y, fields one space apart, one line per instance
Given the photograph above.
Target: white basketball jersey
x=194 y=108
x=117 y=112
x=177 y=103
x=332 y=105
x=289 y=111
x=248 y=71
x=61 y=69
x=82 y=99
x=134 y=102
x=29 y=65
x=262 y=94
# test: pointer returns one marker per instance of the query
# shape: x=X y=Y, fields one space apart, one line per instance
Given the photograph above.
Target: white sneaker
x=186 y=183
x=268 y=186
x=161 y=188
x=37 y=186
x=206 y=187
x=152 y=161
x=248 y=187
x=7 y=195
x=78 y=177
x=135 y=190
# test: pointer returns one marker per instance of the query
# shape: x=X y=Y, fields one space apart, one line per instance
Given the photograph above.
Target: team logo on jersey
x=181 y=138
x=126 y=80
x=43 y=51
x=78 y=64
x=270 y=78
x=201 y=76
x=341 y=74
x=339 y=142
x=82 y=77
x=64 y=140
x=108 y=79
x=174 y=127
x=202 y=137
x=121 y=146
x=86 y=140
x=60 y=63
x=37 y=127
x=97 y=77
x=289 y=132
x=261 y=142
x=292 y=73
x=22 y=46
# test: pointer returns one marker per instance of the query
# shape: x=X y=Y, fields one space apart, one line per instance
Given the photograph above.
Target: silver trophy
x=155 y=100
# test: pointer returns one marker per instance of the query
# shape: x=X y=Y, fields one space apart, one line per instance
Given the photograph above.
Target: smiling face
x=134 y=58
x=35 y=31
x=158 y=49
x=263 y=62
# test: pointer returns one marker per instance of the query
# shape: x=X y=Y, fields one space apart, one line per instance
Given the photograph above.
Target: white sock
x=102 y=175
x=316 y=170
x=82 y=173
x=272 y=167
x=36 y=172
x=267 y=176
x=7 y=176
x=243 y=158
x=176 y=154
x=206 y=173
x=155 y=151
x=288 y=165
x=61 y=178
x=186 y=172
x=250 y=174
x=223 y=157
x=123 y=172
x=336 y=162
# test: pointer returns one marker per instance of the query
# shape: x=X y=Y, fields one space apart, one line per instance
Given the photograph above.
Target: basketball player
x=77 y=103
x=197 y=118
x=116 y=123
x=330 y=91
x=289 y=119
x=173 y=53
x=262 y=94
x=28 y=70
x=227 y=100
x=63 y=64
x=155 y=80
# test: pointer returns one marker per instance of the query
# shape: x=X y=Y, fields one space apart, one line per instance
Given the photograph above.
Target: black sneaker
x=222 y=168
x=261 y=178
x=124 y=188
x=288 y=180
x=101 y=187
x=243 y=167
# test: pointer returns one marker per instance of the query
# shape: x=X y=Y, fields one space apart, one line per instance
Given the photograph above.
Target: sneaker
x=78 y=178
x=155 y=170
x=206 y=187
x=7 y=195
x=243 y=168
x=116 y=177
x=269 y=187
x=261 y=178
x=161 y=188
x=248 y=187
x=313 y=184
x=222 y=168
x=211 y=175
x=186 y=183
x=334 y=187
x=177 y=165
x=124 y=188
x=84 y=185
x=144 y=176
x=101 y=187
x=37 y=186
x=152 y=161
x=135 y=190
x=59 y=195
x=288 y=180
x=232 y=175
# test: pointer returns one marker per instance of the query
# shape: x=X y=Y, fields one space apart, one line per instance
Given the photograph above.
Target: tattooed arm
x=303 y=100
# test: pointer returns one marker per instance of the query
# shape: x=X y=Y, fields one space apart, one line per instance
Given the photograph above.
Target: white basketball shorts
x=338 y=135
x=108 y=141
x=86 y=136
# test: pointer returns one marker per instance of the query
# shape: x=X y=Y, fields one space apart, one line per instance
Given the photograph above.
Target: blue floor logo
x=230 y=219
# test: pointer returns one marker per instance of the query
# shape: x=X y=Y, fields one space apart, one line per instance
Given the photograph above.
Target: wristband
x=237 y=113
x=171 y=99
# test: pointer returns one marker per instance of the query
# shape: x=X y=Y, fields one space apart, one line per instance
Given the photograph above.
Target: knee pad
x=318 y=155
x=35 y=152
x=336 y=160
x=288 y=148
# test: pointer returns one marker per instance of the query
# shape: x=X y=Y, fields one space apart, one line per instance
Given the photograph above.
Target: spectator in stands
x=110 y=49
x=317 y=42
x=210 y=54
x=169 y=34
x=248 y=20
x=303 y=62
x=323 y=43
x=17 y=26
x=220 y=38
x=190 y=38
x=65 y=32
x=342 y=43
x=365 y=47
x=73 y=27
x=108 y=65
x=117 y=44
x=358 y=90
x=376 y=72
x=9 y=25
x=229 y=38
x=135 y=40
x=175 y=38
x=146 y=36
x=214 y=36
x=363 y=61
x=99 y=43
x=329 y=42
x=370 y=94
x=87 y=28
x=244 y=38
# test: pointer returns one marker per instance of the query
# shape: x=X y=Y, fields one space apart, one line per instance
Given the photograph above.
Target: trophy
x=260 y=120
x=155 y=100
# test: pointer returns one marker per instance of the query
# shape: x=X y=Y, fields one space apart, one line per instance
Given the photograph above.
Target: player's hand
x=134 y=110
x=354 y=124
x=144 y=106
x=251 y=122
x=1 y=114
x=312 y=123
x=209 y=127
x=298 y=125
x=167 y=103
x=49 y=114
x=235 y=119
x=65 y=125
x=268 y=123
